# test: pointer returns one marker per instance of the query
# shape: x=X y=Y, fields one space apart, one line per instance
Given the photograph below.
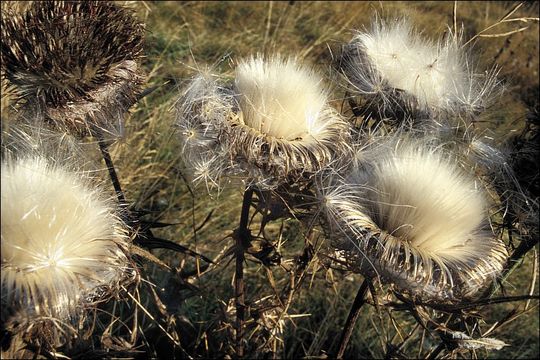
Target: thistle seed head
x=401 y=72
x=273 y=125
x=63 y=245
x=74 y=61
x=408 y=214
x=280 y=98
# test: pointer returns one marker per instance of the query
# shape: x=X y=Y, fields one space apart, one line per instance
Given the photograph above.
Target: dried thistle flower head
x=401 y=72
x=274 y=124
x=408 y=214
x=63 y=246
x=74 y=61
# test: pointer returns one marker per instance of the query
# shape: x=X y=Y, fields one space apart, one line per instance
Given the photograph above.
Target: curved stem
x=242 y=235
x=351 y=319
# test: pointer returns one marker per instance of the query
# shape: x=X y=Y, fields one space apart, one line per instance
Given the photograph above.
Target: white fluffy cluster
x=62 y=244
x=281 y=98
x=272 y=124
x=411 y=216
x=397 y=67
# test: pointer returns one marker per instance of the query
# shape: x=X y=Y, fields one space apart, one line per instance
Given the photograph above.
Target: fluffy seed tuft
x=280 y=98
x=399 y=71
x=411 y=216
x=272 y=125
x=62 y=244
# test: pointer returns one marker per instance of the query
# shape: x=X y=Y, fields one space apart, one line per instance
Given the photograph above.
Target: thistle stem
x=354 y=105
x=351 y=319
x=112 y=172
x=523 y=248
x=436 y=351
x=242 y=240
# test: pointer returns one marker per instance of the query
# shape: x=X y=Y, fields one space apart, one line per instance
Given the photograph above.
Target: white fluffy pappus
x=280 y=97
x=408 y=214
x=204 y=108
x=62 y=244
x=203 y=111
x=438 y=76
x=271 y=124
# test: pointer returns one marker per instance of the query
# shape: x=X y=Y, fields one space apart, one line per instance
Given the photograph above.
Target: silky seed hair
x=74 y=61
x=64 y=245
x=407 y=213
x=202 y=113
x=271 y=125
x=492 y=161
x=396 y=68
x=272 y=92
x=280 y=98
x=33 y=137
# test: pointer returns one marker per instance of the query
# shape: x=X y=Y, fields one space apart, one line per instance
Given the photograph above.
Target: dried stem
x=505 y=19
x=436 y=351
x=107 y=156
x=110 y=167
x=523 y=249
x=354 y=105
x=464 y=306
x=351 y=319
x=454 y=17
x=242 y=235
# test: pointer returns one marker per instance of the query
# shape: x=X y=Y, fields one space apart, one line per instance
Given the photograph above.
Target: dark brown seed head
x=73 y=58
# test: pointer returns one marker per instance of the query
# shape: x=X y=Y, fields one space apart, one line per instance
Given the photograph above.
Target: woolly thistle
x=273 y=125
x=76 y=62
x=401 y=74
x=63 y=247
x=408 y=214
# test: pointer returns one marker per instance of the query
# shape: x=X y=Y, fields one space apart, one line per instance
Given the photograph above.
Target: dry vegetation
x=296 y=306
